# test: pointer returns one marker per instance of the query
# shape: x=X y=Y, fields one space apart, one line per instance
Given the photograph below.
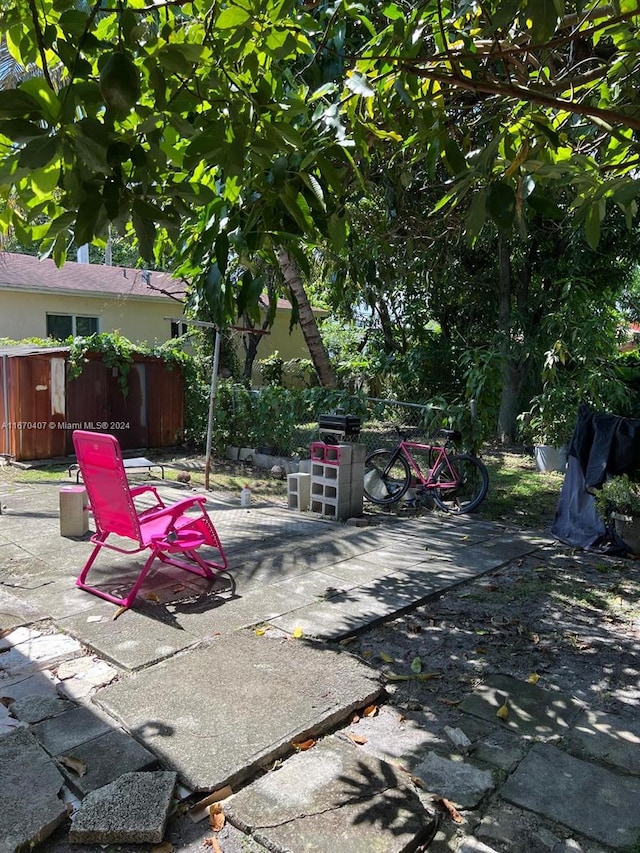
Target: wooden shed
x=40 y=406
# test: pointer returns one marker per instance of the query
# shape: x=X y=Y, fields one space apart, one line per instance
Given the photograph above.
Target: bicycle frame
x=441 y=455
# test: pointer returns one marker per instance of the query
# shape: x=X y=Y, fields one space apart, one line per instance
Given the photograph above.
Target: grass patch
x=519 y=494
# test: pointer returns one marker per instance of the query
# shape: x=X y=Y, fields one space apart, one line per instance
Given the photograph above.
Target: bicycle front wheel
x=386 y=477
x=461 y=483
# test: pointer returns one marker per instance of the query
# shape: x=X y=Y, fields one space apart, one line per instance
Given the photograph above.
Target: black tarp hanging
x=602 y=446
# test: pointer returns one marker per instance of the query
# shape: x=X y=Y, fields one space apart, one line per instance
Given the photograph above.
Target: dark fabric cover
x=602 y=445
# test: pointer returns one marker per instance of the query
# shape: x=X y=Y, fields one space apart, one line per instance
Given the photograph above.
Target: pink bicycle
x=457 y=482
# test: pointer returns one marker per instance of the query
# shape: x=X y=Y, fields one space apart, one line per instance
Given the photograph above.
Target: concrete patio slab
x=533 y=712
x=131 y=641
x=258 y=696
x=592 y=800
x=60 y=734
x=333 y=797
x=31 y=808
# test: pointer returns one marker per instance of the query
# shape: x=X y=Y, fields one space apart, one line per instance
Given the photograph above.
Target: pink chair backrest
x=103 y=473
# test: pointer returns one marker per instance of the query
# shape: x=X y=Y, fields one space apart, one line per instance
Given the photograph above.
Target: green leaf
x=501 y=205
x=477 y=216
x=39 y=152
x=454 y=157
x=86 y=219
x=416 y=665
x=232 y=17
x=544 y=18
x=15 y=103
x=145 y=228
x=592 y=225
x=44 y=96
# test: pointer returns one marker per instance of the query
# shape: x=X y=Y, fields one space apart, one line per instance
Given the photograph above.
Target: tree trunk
x=509 y=397
x=317 y=351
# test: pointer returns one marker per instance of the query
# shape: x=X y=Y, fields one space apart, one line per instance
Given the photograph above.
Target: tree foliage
x=240 y=126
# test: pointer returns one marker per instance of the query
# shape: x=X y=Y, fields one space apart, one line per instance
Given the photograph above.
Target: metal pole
x=212 y=398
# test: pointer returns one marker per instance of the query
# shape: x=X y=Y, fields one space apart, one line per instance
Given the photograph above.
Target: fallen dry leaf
x=119 y=612
x=305 y=744
x=6 y=701
x=165 y=847
x=370 y=711
x=201 y=809
x=427 y=676
x=385 y=657
x=260 y=632
x=346 y=641
x=179 y=587
x=355 y=719
x=357 y=739
x=297 y=633
x=74 y=764
x=534 y=678
x=213 y=843
x=451 y=702
x=503 y=710
x=216 y=817
x=448 y=806
x=151 y=596
x=392 y=676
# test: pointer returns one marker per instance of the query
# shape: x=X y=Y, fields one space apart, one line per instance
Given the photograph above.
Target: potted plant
x=619 y=499
x=549 y=425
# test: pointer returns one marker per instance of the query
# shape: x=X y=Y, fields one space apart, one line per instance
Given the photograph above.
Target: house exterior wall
x=24 y=314
x=288 y=346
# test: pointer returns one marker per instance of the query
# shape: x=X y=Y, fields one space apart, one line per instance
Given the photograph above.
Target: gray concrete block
x=133 y=809
x=589 y=799
x=333 y=797
x=29 y=785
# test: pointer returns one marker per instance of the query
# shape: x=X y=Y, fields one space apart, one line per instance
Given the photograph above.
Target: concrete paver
x=29 y=788
x=611 y=739
x=254 y=696
x=134 y=808
x=456 y=780
x=333 y=797
x=532 y=711
x=597 y=802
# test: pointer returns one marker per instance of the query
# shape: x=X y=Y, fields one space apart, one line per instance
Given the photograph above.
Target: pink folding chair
x=167 y=531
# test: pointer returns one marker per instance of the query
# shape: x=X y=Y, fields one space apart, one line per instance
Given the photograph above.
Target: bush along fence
x=284 y=422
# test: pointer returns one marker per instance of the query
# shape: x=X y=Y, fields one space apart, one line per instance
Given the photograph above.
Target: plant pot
x=628 y=529
x=550 y=458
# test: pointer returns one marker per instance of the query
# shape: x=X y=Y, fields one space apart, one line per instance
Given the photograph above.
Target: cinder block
x=74 y=517
x=299 y=489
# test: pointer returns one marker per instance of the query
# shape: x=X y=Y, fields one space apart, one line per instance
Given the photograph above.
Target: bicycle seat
x=450 y=434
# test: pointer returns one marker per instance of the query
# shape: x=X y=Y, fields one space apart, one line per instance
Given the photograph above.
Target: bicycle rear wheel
x=461 y=483
x=386 y=477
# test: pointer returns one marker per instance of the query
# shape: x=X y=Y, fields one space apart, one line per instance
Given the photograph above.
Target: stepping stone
x=34 y=708
x=333 y=797
x=132 y=810
x=219 y=714
x=589 y=799
x=458 y=781
x=609 y=738
x=533 y=712
x=31 y=809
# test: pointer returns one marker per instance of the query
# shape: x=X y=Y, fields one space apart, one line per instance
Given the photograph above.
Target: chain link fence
x=276 y=422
